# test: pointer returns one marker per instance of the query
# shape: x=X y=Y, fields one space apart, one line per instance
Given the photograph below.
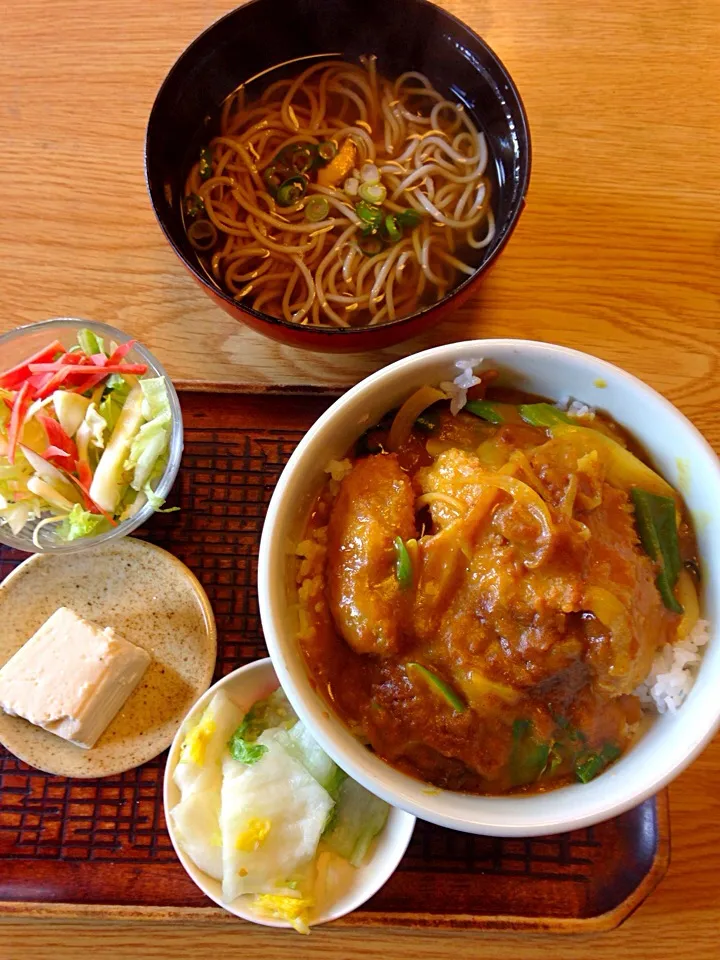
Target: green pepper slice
x=371 y=245
x=589 y=765
x=403 y=564
x=316 y=209
x=205 y=166
x=326 y=151
x=371 y=216
x=655 y=517
x=392 y=229
x=484 y=410
x=529 y=757
x=193 y=206
x=574 y=734
x=555 y=759
x=409 y=218
x=542 y=414
x=300 y=157
x=295 y=158
x=274 y=177
x=427 y=422
x=292 y=190
x=439 y=685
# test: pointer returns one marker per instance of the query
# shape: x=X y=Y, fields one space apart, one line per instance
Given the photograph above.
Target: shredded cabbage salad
x=83 y=439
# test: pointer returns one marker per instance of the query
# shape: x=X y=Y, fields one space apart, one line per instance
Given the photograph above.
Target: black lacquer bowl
x=404 y=35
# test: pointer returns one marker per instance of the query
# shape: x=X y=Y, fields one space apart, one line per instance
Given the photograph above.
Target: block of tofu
x=71 y=678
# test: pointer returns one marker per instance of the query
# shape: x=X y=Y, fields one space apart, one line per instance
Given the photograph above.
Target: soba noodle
x=339 y=197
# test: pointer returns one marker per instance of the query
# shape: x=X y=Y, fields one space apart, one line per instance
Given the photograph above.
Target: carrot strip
x=78 y=370
x=92 y=381
x=57 y=436
x=117 y=355
x=77 y=359
x=138 y=368
x=84 y=473
x=50 y=383
x=20 y=406
x=89 y=502
x=38 y=380
x=17 y=374
x=52 y=453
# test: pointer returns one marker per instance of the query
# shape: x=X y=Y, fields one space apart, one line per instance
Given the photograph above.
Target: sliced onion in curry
x=688 y=600
x=624 y=470
x=612 y=613
x=409 y=412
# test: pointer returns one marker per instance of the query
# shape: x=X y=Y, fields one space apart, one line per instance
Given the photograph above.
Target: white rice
x=457 y=389
x=673 y=671
x=576 y=408
x=338 y=469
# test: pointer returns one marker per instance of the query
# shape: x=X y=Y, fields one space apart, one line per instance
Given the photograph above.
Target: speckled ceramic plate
x=150 y=598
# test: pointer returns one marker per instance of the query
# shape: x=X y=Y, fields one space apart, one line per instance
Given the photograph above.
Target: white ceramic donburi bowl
x=247 y=685
x=679 y=452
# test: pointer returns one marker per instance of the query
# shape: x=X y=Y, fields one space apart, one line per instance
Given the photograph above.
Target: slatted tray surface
x=102 y=846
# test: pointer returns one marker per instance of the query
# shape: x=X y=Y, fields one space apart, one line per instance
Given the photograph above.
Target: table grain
x=617 y=253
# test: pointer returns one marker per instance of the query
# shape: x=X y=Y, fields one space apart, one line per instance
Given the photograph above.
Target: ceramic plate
x=150 y=598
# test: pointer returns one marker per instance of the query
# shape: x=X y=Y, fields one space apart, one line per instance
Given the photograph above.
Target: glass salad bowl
x=139 y=470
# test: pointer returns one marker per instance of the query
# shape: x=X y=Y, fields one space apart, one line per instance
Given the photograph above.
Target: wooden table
x=616 y=253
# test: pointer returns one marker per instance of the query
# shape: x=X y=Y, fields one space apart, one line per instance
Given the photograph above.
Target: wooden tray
x=100 y=848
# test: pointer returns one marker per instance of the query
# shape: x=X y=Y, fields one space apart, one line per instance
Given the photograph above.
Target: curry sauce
x=478 y=601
